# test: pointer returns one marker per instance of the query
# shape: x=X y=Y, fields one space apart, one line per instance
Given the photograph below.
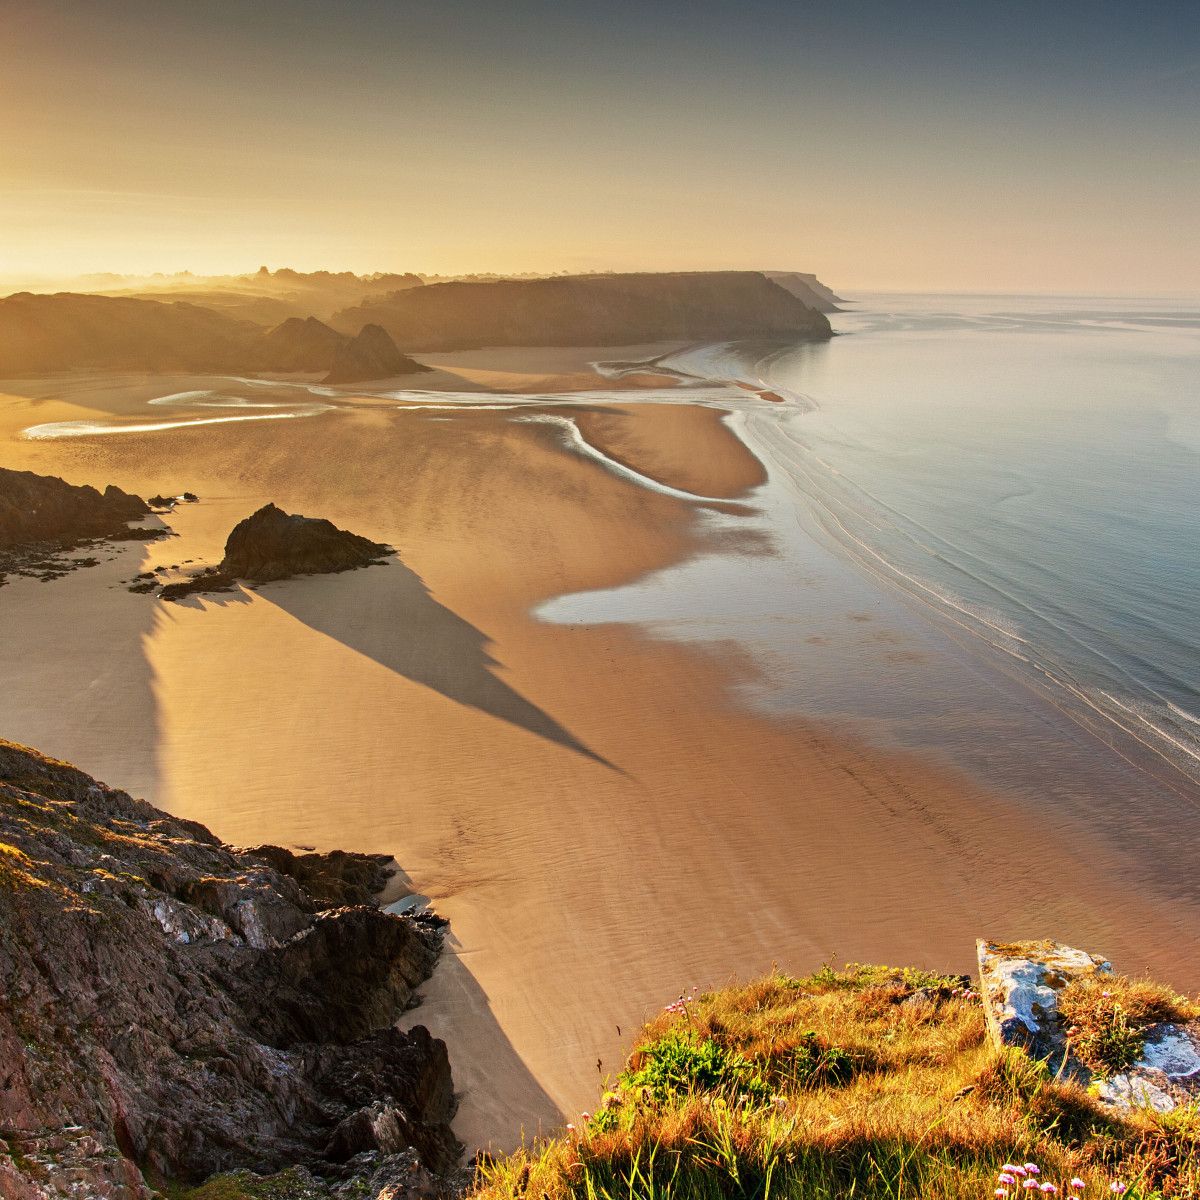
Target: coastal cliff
x=184 y=1019
x=175 y=1007
x=589 y=310
x=40 y=334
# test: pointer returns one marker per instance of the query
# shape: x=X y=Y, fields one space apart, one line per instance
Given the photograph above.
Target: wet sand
x=681 y=445
x=600 y=820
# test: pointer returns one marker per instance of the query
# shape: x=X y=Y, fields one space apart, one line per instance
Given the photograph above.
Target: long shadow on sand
x=396 y=621
x=501 y=1101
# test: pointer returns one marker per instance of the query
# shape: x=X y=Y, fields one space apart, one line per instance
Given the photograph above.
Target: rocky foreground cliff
x=174 y=1007
x=177 y=1011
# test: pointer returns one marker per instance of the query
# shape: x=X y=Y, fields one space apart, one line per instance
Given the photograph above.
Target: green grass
x=1106 y=1018
x=244 y=1185
x=875 y=1083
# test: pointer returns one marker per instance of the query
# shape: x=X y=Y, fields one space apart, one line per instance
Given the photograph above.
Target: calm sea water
x=1006 y=492
x=1031 y=468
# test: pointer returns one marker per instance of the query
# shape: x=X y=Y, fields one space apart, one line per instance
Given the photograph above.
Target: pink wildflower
x=1077 y=1182
x=1033 y=1168
x=1000 y=1192
x=1029 y=1183
x=1013 y=1170
x=1005 y=1177
x=1117 y=1186
x=1049 y=1187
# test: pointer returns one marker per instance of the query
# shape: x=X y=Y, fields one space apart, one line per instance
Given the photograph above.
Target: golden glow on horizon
x=134 y=159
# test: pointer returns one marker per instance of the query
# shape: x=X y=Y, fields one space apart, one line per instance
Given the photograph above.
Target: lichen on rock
x=1146 y=1051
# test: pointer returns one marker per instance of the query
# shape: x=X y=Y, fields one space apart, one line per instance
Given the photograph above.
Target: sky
x=1006 y=146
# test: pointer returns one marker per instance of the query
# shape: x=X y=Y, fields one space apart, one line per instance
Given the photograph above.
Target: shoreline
x=555 y=790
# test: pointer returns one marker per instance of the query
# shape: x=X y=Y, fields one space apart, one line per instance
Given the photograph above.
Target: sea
x=980 y=538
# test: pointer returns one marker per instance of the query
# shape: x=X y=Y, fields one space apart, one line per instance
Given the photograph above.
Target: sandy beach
x=601 y=820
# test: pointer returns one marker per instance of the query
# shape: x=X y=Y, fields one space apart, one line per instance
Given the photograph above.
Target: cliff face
x=176 y=1007
x=807 y=288
x=44 y=508
x=590 y=310
x=40 y=334
x=64 y=332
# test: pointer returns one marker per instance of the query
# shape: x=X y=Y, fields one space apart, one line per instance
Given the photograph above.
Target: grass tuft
x=876 y=1083
x=1106 y=1018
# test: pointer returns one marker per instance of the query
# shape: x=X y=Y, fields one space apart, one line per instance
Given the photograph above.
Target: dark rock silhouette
x=175 y=1006
x=370 y=355
x=271 y=544
x=43 y=518
x=44 y=508
x=213 y=579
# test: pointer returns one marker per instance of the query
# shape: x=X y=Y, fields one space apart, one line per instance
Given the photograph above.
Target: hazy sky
x=1042 y=145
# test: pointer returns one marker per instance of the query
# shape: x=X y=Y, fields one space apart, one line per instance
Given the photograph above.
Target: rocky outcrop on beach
x=43 y=517
x=589 y=310
x=44 y=508
x=370 y=355
x=271 y=544
x=174 y=1007
x=335 y=878
x=1132 y=1043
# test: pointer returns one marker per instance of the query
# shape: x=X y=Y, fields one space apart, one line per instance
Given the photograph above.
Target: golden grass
x=921 y=1105
x=1106 y=1017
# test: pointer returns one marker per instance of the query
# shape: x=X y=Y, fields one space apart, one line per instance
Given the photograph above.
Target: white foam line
x=182 y=397
x=1183 y=713
x=464 y=407
x=577 y=442
x=70 y=429
x=189 y=400
x=1157 y=729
